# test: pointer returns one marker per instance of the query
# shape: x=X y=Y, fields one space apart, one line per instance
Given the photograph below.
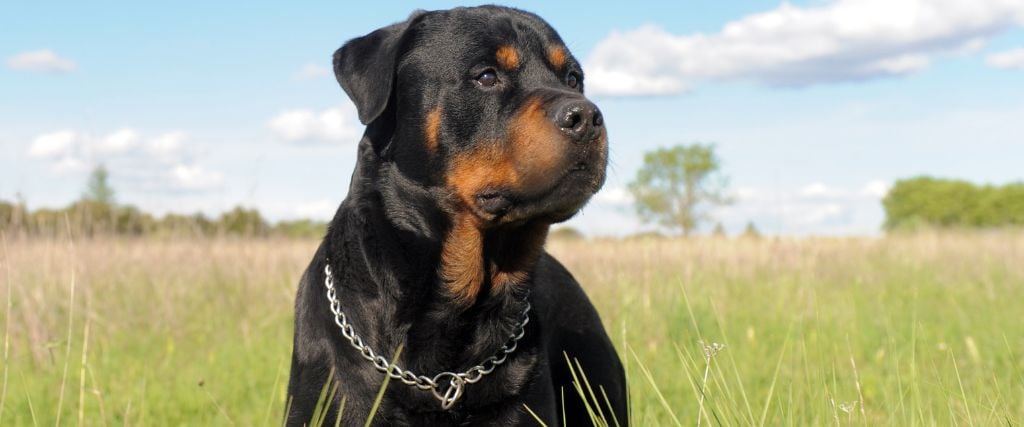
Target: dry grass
x=920 y=329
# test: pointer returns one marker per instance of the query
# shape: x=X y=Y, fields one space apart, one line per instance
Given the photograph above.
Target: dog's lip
x=496 y=202
x=492 y=193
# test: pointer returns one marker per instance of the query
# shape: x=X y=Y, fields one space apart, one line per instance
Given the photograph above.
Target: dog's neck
x=437 y=280
x=470 y=259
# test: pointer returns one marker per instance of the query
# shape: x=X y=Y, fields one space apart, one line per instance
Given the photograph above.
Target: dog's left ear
x=365 y=67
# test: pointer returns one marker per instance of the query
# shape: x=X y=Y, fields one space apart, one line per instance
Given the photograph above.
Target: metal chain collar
x=447 y=394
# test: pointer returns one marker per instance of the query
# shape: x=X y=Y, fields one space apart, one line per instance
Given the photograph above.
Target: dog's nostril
x=572 y=120
x=580 y=119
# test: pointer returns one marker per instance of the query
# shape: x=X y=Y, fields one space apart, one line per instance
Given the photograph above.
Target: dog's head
x=484 y=103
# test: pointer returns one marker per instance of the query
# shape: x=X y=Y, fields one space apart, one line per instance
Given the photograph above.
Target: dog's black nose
x=580 y=119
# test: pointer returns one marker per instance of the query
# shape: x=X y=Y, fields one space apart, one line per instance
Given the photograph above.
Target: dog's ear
x=365 y=67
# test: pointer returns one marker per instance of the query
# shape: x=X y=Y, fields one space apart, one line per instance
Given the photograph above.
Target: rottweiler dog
x=478 y=138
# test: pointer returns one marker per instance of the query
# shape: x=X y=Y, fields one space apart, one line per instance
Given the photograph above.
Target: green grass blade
x=383 y=387
x=341 y=411
x=592 y=396
x=963 y=394
x=273 y=393
x=775 y=377
x=579 y=390
x=534 y=415
x=615 y=418
x=657 y=391
x=28 y=398
x=322 y=402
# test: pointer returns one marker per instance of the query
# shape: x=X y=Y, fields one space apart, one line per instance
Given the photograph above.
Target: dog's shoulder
x=560 y=298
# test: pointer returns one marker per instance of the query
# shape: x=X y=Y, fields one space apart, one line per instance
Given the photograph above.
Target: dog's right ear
x=365 y=67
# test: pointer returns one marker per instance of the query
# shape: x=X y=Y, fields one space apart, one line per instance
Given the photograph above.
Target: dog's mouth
x=494 y=202
x=557 y=202
x=579 y=167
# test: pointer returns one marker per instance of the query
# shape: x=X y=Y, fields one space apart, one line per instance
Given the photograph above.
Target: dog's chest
x=494 y=400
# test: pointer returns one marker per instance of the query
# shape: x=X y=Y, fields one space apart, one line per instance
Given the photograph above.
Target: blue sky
x=816 y=107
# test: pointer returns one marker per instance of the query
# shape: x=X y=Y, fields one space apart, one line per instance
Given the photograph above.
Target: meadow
x=922 y=329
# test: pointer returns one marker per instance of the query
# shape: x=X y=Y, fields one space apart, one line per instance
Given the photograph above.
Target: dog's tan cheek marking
x=534 y=150
x=537 y=146
x=487 y=166
x=529 y=159
x=507 y=57
x=432 y=129
x=556 y=57
x=462 y=258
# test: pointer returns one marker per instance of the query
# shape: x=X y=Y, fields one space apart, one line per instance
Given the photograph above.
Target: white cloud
x=844 y=40
x=164 y=163
x=816 y=214
x=818 y=190
x=195 y=178
x=167 y=147
x=41 y=60
x=69 y=164
x=338 y=124
x=54 y=144
x=877 y=189
x=311 y=71
x=1012 y=59
x=743 y=193
x=815 y=208
x=119 y=142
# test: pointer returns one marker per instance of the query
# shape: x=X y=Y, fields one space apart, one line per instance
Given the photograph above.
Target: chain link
x=456 y=381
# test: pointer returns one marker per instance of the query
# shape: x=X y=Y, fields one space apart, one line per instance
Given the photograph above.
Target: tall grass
x=909 y=330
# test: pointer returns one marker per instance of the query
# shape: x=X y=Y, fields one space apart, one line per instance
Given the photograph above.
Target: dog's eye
x=573 y=80
x=487 y=78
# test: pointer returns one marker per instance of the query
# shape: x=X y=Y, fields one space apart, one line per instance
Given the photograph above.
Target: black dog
x=478 y=138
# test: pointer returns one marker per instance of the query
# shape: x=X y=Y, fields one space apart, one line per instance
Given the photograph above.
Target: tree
x=951 y=203
x=241 y=221
x=719 y=230
x=98 y=189
x=675 y=186
x=751 y=231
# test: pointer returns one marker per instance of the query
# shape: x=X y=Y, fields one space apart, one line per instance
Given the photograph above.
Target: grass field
x=908 y=330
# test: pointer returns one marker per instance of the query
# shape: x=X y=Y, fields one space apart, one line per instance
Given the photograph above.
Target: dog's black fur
x=441 y=235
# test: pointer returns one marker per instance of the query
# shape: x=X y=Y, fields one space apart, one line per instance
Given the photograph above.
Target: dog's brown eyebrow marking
x=557 y=56
x=508 y=57
x=432 y=128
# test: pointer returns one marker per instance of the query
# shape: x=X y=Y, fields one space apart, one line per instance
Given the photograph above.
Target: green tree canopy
x=934 y=202
x=675 y=186
x=98 y=189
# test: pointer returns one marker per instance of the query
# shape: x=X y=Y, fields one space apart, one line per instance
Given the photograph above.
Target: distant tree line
x=85 y=218
x=927 y=202
x=97 y=213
